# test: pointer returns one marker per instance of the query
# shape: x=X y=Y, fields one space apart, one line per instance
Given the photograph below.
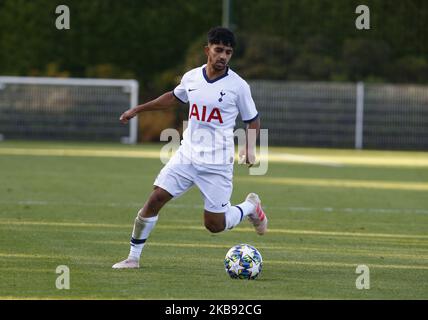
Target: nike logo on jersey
x=190 y=90
x=223 y=205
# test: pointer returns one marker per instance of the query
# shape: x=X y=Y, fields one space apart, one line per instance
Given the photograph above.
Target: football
x=243 y=262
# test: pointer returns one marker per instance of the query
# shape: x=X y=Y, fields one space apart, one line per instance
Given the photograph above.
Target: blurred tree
x=149 y=40
x=409 y=69
x=263 y=56
x=366 y=57
x=157 y=41
x=145 y=37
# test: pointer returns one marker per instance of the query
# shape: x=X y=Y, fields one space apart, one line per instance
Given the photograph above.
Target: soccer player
x=216 y=95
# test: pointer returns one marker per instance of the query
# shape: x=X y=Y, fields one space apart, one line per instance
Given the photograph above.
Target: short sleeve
x=246 y=105
x=180 y=91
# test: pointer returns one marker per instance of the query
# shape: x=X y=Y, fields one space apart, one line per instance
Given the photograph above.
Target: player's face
x=218 y=55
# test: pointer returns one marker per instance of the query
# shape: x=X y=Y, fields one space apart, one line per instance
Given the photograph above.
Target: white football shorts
x=213 y=181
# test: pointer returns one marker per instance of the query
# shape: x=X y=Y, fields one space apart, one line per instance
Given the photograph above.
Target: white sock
x=236 y=214
x=247 y=207
x=140 y=233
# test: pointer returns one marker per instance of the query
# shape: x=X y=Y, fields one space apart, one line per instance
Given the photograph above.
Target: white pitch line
x=196 y=206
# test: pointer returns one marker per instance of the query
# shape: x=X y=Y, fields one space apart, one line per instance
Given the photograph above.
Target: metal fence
x=66 y=109
x=309 y=114
x=343 y=115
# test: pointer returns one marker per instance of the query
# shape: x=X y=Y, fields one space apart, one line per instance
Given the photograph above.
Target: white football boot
x=258 y=217
x=127 y=264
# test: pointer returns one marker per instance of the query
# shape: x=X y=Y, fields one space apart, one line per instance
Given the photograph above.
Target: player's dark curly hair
x=222 y=35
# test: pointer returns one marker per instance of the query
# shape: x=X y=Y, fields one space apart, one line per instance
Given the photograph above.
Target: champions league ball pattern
x=243 y=262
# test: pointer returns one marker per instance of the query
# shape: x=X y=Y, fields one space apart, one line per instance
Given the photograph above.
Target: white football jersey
x=213 y=108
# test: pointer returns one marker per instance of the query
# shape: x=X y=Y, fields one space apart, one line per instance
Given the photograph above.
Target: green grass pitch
x=329 y=211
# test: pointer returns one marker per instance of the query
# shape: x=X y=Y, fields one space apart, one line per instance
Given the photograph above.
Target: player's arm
x=251 y=133
x=165 y=101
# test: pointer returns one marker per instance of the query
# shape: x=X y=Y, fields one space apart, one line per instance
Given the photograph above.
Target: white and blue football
x=243 y=262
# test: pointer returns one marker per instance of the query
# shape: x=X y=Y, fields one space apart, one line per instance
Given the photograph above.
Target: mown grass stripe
x=338 y=183
x=68 y=297
x=80 y=153
x=298 y=248
x=274 y=156
x=305 y=263
x=198 y=206
x=346 y=265
x=294 y=248
x=241 y=229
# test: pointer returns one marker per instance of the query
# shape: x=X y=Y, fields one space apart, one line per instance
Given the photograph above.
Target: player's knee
x=157 y=199
x=153 y=204
x=214 y=227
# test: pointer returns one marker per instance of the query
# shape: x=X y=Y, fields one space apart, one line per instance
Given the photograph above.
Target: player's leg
x=219 y=214
x=144 y=223
x=146 y=220
x=251 y=208
x=220 y=221
x=173 y=180
x=215 y=221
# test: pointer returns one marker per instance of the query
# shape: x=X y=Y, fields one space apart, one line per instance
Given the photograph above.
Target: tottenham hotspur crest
x=221 y=96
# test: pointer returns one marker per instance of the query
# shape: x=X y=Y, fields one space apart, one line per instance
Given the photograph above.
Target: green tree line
x=156 y=41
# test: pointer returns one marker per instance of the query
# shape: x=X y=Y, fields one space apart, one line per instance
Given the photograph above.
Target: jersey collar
x=204 y=72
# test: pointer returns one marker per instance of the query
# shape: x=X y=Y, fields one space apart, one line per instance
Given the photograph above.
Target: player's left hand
x=248 y=158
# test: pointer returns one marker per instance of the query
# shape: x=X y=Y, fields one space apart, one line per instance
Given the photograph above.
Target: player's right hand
x=127 y=115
